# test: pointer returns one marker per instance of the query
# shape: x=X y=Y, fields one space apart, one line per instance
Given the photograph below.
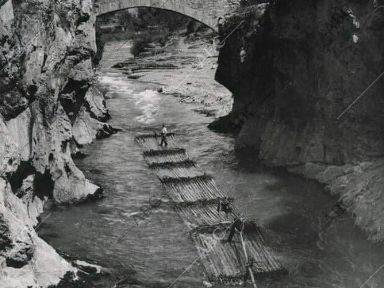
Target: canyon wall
x=293 y=68
x=49 y=107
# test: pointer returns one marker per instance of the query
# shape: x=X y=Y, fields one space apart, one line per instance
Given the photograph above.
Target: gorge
x=305 y=63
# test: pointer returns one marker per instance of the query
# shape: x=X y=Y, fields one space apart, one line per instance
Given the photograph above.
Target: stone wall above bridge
x=205 y=11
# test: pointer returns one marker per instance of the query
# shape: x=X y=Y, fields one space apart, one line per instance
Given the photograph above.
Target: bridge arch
x=204 y=11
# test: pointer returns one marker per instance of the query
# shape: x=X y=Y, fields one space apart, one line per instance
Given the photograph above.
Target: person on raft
x=224 y=205
x=220 y=27
x=249 y=267
x=236 y=226
x=163 y=135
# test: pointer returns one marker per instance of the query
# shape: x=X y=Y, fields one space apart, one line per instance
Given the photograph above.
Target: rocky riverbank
x=49 y=108
x=302 y=64
x=195 y=60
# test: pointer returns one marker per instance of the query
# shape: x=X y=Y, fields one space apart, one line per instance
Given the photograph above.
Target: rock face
x=304 y=63
x=46 y=87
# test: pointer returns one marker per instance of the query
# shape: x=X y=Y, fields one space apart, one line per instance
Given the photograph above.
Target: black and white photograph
x=191 y=143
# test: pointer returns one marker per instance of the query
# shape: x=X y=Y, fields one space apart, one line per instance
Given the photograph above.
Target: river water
x=157 y=251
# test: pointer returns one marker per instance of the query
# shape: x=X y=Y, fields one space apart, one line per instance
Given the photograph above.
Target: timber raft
x=196 y=197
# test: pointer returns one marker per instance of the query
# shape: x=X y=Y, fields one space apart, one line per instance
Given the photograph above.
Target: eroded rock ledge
x=49 y=106
x=304 y=63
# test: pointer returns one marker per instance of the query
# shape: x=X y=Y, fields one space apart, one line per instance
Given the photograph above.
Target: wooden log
x=165 y=152
x=144 y=137
x=246 y=257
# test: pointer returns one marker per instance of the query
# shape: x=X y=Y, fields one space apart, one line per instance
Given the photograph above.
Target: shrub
x=139 y=46
x=142 y=40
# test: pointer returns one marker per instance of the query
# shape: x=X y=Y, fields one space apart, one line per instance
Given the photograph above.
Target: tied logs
x=196 y=198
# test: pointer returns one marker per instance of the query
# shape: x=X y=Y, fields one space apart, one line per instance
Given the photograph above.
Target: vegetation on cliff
x=144 y=26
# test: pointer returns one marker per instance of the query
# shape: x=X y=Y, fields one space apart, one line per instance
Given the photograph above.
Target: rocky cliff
x=293 y=68
x=49 y=107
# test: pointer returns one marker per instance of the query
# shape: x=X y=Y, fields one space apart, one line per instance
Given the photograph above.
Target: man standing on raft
x=163 y=135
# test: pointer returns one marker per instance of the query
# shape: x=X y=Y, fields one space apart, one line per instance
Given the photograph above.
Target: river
x=157 y=251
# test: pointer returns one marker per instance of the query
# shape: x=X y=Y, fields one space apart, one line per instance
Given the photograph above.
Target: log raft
x=196 y=196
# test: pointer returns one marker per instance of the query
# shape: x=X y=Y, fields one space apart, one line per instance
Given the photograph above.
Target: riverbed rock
x=86 y=129
x=305 y=63
x=26 y=258
x=95 y=102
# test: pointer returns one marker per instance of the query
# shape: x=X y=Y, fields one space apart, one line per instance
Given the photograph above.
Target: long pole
x=246 y=257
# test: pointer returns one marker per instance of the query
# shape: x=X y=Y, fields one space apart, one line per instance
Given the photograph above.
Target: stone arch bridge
x=205 y=11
